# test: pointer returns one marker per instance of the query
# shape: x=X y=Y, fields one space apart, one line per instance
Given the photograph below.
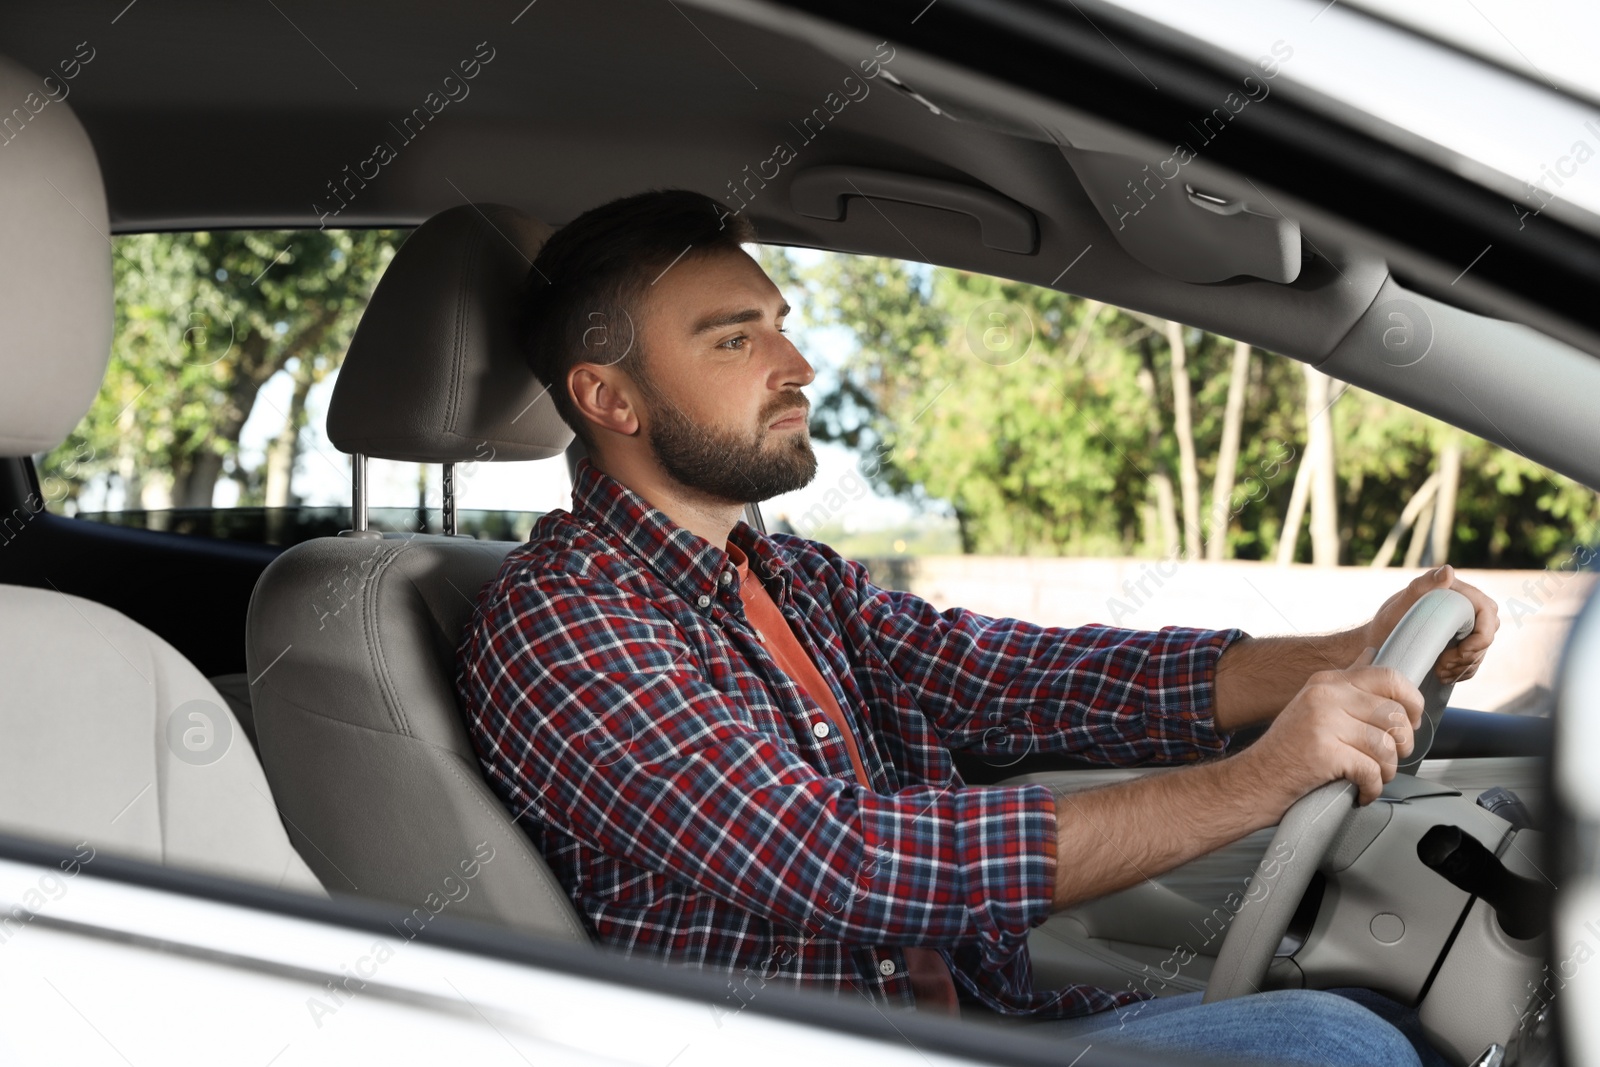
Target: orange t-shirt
x=934 y=988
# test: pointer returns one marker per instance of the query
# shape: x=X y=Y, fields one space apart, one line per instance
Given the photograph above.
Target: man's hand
x=1357 y=723
x=1455 y=664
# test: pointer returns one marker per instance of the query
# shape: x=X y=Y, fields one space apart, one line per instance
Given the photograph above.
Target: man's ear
x=600 y=395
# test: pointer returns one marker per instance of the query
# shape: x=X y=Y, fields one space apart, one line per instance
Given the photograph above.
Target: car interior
x=333 y=660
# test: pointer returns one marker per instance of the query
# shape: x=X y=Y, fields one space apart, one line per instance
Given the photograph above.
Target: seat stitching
x=370 y=629
x=458 y=353
x=375 y=647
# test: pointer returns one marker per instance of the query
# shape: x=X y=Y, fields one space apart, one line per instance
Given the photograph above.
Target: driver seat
x=351 y=639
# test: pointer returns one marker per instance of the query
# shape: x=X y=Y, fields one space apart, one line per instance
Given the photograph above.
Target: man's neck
x=707 y=517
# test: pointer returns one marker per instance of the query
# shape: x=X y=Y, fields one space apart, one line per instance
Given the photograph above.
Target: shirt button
x=886 y=967
x=820 y=729
x=704 y=601
x=727 y=576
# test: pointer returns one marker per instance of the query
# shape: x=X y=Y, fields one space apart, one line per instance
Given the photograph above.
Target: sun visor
x=1183 y=231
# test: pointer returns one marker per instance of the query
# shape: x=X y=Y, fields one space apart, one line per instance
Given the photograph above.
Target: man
x=733 y=749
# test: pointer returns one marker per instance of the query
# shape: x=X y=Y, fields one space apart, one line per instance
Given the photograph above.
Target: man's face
x=720 y=384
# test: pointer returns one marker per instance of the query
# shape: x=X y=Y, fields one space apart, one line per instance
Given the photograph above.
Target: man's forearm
x=1257 y=676
x=1108 y=839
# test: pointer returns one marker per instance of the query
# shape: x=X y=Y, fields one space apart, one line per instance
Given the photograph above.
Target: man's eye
x=743 y=339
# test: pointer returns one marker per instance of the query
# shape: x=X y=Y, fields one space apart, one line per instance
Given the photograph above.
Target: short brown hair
x=586 y=283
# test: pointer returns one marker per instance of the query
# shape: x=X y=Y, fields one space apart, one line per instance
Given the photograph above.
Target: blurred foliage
x=203 y=321
x=1022 y=409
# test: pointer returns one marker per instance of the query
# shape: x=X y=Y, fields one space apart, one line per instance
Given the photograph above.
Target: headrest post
x=358 y=493
x=358 y=499
x=449 y=499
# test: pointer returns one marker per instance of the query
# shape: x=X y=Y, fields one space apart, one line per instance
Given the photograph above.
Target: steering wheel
x=1435 y=622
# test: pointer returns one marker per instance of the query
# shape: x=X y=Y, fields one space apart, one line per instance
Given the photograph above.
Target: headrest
x=435 y=373
x=55 y=266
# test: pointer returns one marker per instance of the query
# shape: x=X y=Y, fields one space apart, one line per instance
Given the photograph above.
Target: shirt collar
x=684 y=560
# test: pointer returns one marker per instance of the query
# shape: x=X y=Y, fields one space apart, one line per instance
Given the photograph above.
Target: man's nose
x=797 y=369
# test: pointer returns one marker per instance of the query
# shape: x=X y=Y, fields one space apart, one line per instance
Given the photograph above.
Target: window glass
x=1026 y=453
x=212 y=416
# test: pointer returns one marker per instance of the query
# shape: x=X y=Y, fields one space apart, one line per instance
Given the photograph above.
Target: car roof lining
x=685 y=115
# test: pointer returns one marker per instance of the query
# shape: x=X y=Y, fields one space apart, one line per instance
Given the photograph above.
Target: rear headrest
x=55 y=265
x=435 y=373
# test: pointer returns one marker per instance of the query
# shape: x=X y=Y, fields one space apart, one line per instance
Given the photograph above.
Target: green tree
x=1041 y=418
x=203 y=321
x=1052 y=424
x=1507 y=510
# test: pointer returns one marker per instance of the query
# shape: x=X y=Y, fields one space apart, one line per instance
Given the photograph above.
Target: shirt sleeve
x=1006 y=687
x=590 y=714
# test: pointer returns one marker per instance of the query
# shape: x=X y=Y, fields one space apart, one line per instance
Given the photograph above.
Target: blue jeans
x=1306 y=1027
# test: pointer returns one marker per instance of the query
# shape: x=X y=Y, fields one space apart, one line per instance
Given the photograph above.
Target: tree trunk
x=1080 y=340
x=1444 y=517
x=1408 y=515
x=1183 y=429
x=258 y=361
x=964 y=531
x=1324 y=485
x=1289 y=539
x=199 y=480
x=285 y=448
x=1166 y=510
x=422 y=499
x=1228 y=454
x=1421 y=538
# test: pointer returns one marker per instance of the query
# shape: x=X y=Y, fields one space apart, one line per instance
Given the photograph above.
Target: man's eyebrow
x=718 y=319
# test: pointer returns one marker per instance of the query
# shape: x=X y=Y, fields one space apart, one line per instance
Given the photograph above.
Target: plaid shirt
x=671 y=775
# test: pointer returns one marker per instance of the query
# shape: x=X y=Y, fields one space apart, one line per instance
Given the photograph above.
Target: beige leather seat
x=352 y=639
x=108 y=736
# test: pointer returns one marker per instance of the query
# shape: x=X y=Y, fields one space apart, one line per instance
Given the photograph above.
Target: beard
x=728 y=465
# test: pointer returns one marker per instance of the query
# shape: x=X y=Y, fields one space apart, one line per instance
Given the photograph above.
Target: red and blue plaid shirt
x=670 y=772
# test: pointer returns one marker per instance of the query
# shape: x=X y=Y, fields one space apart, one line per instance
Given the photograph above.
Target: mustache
x=800 y=404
